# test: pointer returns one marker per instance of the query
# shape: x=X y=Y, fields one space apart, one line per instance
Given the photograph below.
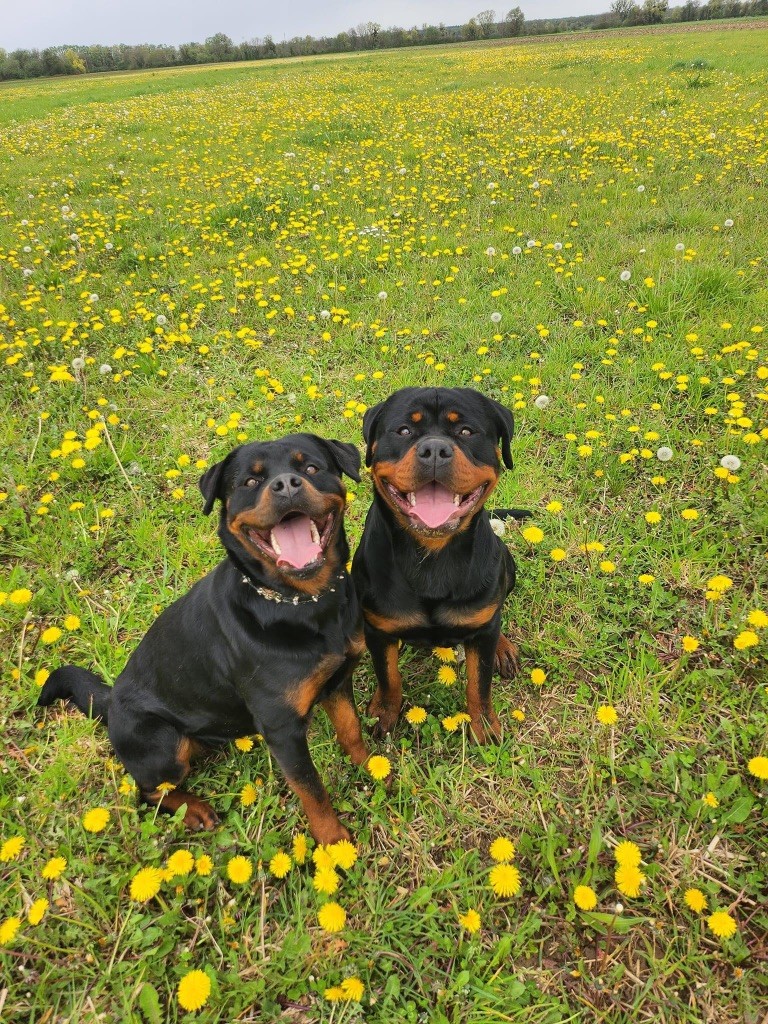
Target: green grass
x=214 y=226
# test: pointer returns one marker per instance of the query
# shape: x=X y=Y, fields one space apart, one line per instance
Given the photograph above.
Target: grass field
x=194 y=258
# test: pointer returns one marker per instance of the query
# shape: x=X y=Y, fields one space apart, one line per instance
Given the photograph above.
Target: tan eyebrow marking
x=453 y=417
x=416 y=417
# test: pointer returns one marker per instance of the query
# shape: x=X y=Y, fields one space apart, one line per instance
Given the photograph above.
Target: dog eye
x=404 y=431
x=252 y=482
x=465 y=432
x=310 y=469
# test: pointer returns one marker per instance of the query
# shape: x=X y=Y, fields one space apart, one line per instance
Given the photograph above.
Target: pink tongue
x=295 y=540
x=434 y=505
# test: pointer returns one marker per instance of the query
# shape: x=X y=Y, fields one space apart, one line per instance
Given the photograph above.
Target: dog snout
x=286 y=486
x=434 y=452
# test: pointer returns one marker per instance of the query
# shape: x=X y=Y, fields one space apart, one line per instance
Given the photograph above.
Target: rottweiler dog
x=429 y=569
x=274 y=629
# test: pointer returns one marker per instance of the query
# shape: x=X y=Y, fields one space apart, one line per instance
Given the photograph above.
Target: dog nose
x=434 y=451
x=286 y=485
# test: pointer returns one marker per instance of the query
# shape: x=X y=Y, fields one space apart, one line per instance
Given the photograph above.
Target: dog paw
x=200 y=815
x=487 y=730
x=507 y=661
x=328 y=832
x=386 y=715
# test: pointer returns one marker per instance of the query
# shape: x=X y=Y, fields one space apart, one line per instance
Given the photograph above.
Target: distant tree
x=486 y=21
x=689 y=11
x=514 y=22
x=623 y=9
x=653 y=11
x=73 y=63
x=220 y=47
x=471 y=29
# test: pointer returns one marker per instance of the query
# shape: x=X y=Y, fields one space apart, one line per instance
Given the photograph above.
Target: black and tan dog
x=254 y=645
x=429 y=569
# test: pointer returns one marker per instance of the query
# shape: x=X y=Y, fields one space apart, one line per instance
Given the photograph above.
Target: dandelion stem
x=127 y=479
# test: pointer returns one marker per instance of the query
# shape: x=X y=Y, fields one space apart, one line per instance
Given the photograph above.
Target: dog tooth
x=457 y=499
x=314 y=532
x=273 y=541
x=411 y=499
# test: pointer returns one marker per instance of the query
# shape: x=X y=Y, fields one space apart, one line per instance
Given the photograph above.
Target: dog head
x=283 y=506
x=435 y=456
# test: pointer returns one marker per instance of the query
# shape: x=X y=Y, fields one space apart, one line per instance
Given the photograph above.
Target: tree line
x=219 y=48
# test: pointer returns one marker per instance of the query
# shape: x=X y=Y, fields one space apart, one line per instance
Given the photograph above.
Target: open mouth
x=296 y=542
x=434 y=506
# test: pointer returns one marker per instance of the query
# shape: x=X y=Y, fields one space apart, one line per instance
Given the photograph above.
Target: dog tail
x=521 y=514
x=80 y=687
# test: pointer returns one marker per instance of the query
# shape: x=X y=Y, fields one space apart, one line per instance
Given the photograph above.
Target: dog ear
x=345 y=456
x=370 y=421
x=505 y=427
x=211 y=481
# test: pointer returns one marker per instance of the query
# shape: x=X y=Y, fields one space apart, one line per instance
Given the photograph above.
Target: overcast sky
x=40 y=23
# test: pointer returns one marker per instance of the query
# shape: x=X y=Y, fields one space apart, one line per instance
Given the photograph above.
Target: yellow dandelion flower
x=446 y=675
x=20 y=596
x=710 y=800
x=249 y=794
x=584 y=897
x=72 y=622
x=41 y=676
x=280 y=864
x=96 y=819
x=695 y=900
x=505 y=880
x=451 y=723
x=244 y=743
x=145 y=884
x=532 y=534
x=194 y=990
x=538 y=676
x=11 y=848
x=8 y=930
x=332 y=917
x=722 y=924
x=689 y=514
x=470 y=921
x=607 y=566
x=746 y=639
x=54 y=868
x=690 y=644
x=554 y=506
x=325 y=880
x=322 y=858
x=239 y=870
x=758 y=767
x=37 y=911
x=606 y=715
x=343 y=854
x=629 y=879
x=300 y=848
x=653 y=517
x=758 y=619
x=352 y=989
x=378 y=767
x=558 y=554
x=627 y=854
x=444 y=653
x=51 y=635
x=203 y=865
x=416 y=716
x=518 y=715
x=720 y=584
x=180 y=863
x=646 y=579
x=502 y=850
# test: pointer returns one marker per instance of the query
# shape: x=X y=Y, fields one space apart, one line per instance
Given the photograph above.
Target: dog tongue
x=295 y=539
x=434 y=505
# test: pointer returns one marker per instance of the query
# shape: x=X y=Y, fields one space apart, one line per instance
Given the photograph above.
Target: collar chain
x=278 y=598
